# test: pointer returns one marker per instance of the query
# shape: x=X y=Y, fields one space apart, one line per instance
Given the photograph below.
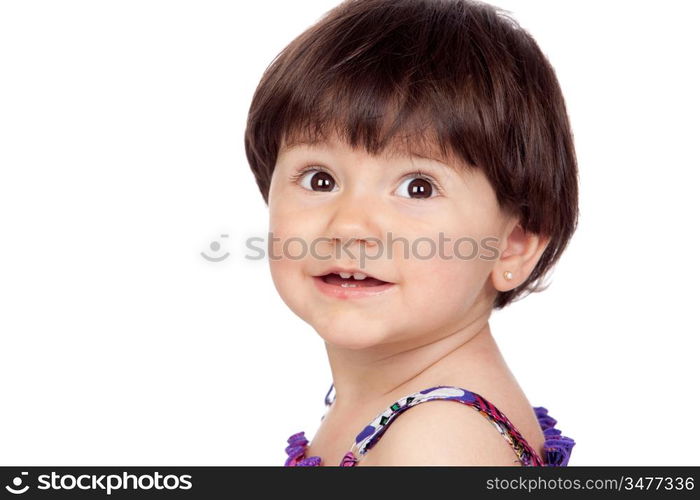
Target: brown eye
x=418 y=187
x=317 y=181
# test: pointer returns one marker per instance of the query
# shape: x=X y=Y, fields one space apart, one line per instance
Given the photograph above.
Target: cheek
x=450 y=280
x=444 y=280
x=289 y=234
x=287 y=240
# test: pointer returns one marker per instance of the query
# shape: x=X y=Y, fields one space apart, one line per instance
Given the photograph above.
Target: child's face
x=368 y=197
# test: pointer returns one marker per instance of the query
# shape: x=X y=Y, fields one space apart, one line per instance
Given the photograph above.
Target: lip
x=339 y=292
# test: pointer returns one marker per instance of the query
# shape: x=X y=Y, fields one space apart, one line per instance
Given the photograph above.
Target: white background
x=121 y=159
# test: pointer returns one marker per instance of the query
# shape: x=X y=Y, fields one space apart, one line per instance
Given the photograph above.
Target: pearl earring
x=508 y=275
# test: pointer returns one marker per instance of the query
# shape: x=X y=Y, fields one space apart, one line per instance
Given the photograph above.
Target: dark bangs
x=452 y=79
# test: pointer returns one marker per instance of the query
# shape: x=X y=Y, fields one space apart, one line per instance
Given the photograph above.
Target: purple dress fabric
x=555 y=453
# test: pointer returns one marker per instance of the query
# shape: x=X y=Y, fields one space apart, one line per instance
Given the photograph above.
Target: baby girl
x=418 y=164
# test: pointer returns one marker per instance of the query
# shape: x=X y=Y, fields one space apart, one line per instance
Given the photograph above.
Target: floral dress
x=556 y=451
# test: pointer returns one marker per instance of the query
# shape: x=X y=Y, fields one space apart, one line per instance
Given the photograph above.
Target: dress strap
x=330 y=395
x=371 y=434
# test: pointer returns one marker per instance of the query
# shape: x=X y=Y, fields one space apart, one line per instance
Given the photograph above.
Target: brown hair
x=459 y=74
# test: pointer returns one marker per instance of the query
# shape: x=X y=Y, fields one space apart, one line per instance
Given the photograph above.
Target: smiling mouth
x=351 y=282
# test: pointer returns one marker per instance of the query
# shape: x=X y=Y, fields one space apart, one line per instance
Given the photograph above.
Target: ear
x=520 y=255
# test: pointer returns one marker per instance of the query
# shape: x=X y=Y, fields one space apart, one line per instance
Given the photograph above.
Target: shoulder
x=441 y=432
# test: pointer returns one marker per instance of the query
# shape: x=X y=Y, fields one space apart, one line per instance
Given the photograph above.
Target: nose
x=354 y=219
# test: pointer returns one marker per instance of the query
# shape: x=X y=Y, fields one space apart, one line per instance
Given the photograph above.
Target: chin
x=360 y=336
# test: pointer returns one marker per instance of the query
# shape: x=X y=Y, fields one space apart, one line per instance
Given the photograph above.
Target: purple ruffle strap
x=295 y=452
x=557 y=448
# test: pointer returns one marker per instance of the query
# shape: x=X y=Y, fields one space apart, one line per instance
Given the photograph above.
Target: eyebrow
x=393 y=153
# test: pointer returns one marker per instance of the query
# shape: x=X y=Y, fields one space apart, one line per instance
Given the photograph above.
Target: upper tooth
x=357 y=276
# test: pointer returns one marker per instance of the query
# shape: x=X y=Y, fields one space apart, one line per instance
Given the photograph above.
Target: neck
x=363 y=377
